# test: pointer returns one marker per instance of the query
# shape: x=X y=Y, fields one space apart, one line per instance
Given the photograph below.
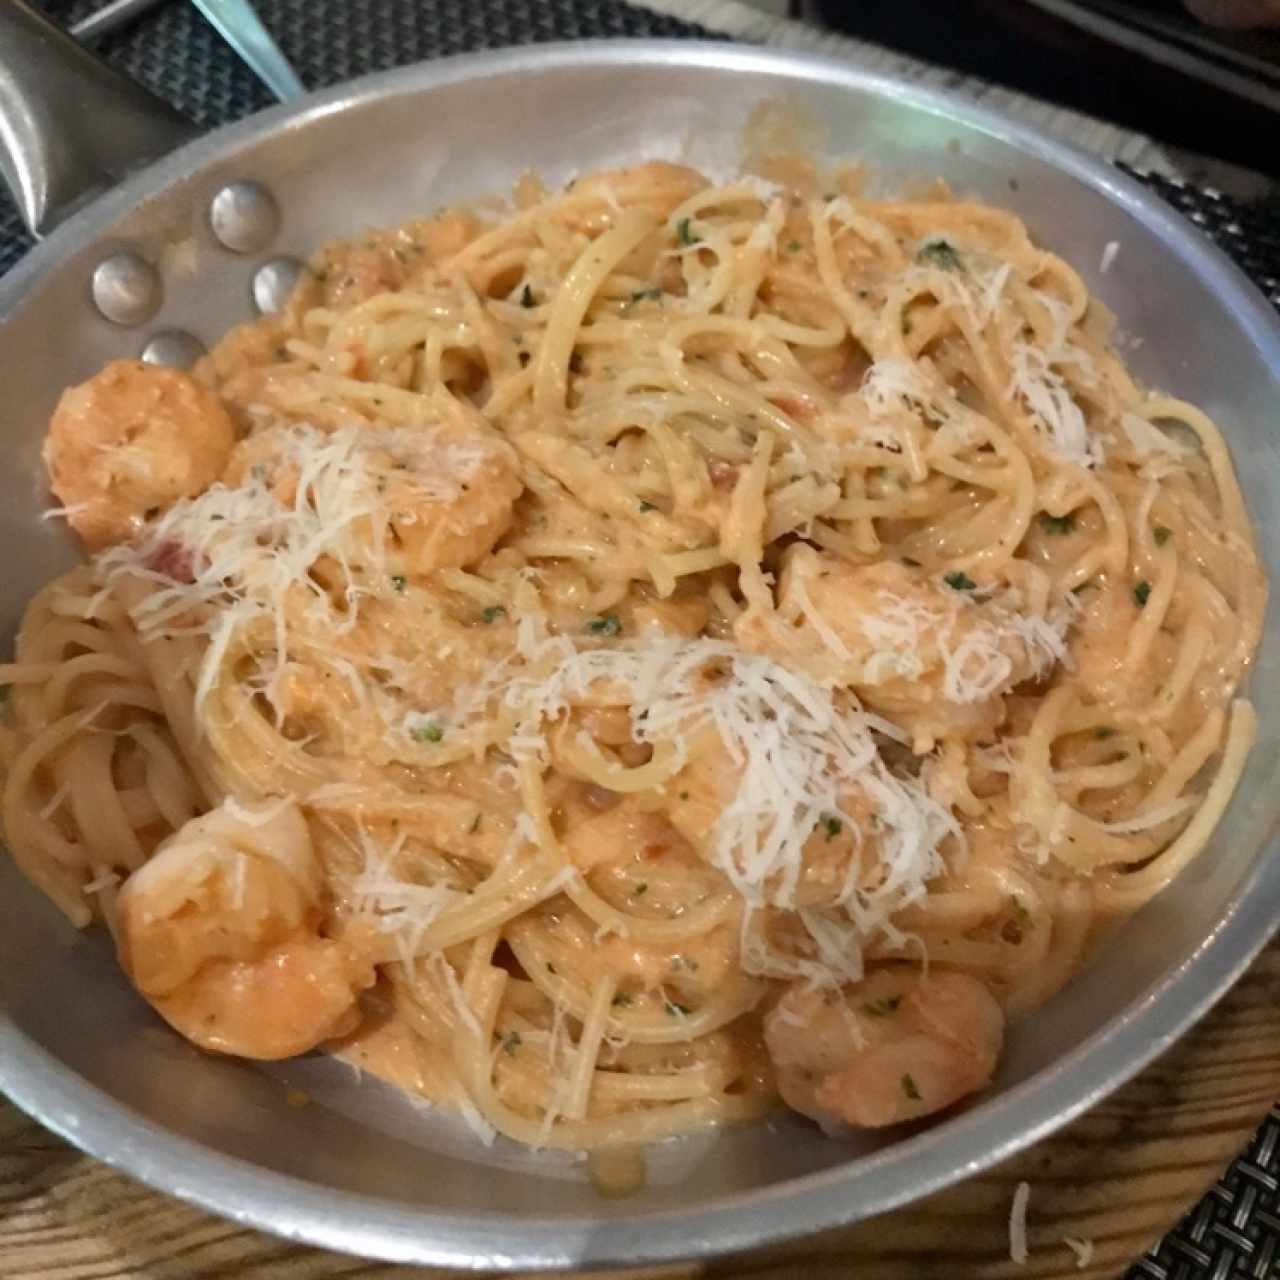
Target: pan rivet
x=126 y=288
x=173 y=347
x=244 y=216
x=273 y=282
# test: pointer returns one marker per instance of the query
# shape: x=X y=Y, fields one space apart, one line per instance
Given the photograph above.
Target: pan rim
x=372 y=1227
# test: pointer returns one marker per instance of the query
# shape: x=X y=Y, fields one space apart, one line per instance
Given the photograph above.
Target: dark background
x=1015 y=43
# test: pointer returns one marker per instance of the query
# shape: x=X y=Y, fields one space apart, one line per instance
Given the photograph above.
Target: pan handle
x=70 y=126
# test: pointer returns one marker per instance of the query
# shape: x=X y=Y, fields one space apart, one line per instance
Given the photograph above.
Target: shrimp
x=699 y=794
x=927 y=655
x=220 y=932
x=132 y=440
x=441 y=496
x=895 y=1047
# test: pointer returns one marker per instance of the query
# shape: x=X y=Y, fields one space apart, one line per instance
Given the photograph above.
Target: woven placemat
x=1234 y=1233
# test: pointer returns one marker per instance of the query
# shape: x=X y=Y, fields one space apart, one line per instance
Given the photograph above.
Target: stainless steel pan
x=360 y=1170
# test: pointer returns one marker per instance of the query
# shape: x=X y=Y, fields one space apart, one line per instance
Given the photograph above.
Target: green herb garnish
x=1142 y=593
x=606 y=626
x=676 y=1009
x=645 y=295
x=623 y=1000
x=429 y=732
x=493 y=613
x=1103 y=732
x=831 y=825
x=1057 y=525
x=685 y=234
x=959 y=581
x=883 y=1007
x=640 y=890
x=939 y=253
x=1161 y=535
x=399 y=581
x=511 y=1042
x=794 y=246
x=647 y=506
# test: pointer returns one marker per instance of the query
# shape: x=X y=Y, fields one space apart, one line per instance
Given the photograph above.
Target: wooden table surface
x=1120 y=1177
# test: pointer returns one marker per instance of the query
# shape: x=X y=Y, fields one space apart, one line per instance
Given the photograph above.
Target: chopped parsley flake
x=493 y=613
x=606 y=626
x=939 y=253
x=1142 y=593
x=623 y=1000
x=1057 y=525
x=831 y=825
x=640 y=890
x=1161 y=535
x=511 y=1042
x=676 y=1009
x=1103 y=731
x=959 y=581
x=909 y=1088
x=645 y=295
x=685 y=234
x=429 y=732
x=794 y=246
x=399 y=581
x=647 y=506
x=883 y=1007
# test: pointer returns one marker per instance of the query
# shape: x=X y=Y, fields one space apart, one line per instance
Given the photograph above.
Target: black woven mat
x=1234 y=1233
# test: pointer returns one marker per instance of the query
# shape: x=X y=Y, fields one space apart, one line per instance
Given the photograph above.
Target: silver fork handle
x=70 y=126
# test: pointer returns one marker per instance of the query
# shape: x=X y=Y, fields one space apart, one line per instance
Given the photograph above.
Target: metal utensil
x=238 y=24
x=360 y=1169
x=109 y=18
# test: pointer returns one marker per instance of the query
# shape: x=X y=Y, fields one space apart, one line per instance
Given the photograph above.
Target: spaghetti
x=604 y=660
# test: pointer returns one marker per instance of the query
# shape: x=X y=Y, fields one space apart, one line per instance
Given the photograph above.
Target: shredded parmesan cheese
x=1083 y=1249
x=1146 y=439
x=799 y=752
x=1018 y=1224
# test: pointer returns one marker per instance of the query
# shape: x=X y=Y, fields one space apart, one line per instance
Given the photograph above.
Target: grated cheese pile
x=800 y=755
x=247 y=549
